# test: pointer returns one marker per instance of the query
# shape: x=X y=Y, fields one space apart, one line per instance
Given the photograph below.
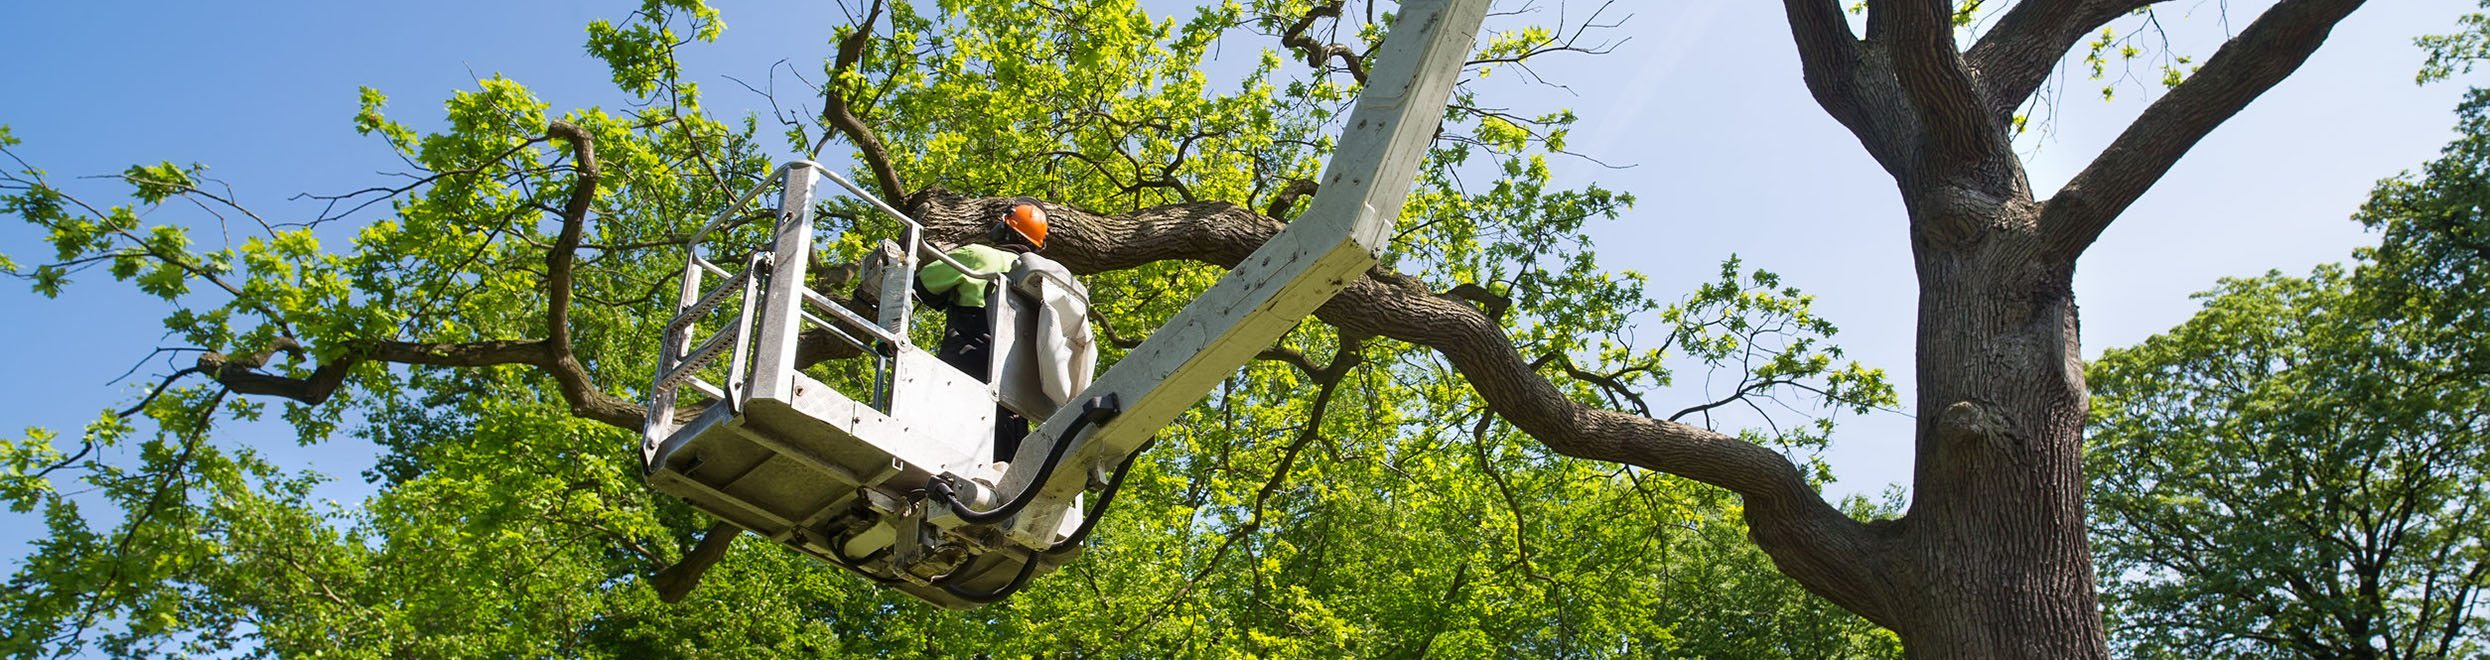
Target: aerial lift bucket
x=781 y=453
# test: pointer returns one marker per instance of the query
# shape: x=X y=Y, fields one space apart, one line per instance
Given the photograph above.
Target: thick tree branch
x=1952 y=116
x=564 y=252
x=1853 y=80
x=577 y=387
x=1828 y=53
x=1825 y=549
x=2015 y=57
x=587 y=402
x=677 y=581
x=2270 y=49
x=835 y=109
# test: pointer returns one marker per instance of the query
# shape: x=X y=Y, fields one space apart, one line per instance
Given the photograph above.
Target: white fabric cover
x=1067 y=355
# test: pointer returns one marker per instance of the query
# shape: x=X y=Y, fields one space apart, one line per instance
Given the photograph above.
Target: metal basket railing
x=680 y=361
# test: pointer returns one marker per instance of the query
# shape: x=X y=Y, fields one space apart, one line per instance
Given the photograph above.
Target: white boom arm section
x=1332 y=244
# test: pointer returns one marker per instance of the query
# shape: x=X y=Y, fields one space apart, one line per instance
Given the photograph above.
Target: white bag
x=1067 y=354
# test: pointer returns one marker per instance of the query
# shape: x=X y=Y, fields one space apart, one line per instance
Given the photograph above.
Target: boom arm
x=1316 y=256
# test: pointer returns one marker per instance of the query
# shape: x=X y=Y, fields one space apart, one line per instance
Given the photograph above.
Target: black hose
x=1089 y=519
x=1096 y=410
x=1028 y=567
x=1029 y=560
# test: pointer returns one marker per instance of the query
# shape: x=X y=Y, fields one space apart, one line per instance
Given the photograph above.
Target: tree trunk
x=1995 y=539
x=1992 y=559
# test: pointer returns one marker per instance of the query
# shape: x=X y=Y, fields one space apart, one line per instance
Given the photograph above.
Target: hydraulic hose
x=1096 y=410
x=1089 y=519
x=1028 y=567
x=1029 y=560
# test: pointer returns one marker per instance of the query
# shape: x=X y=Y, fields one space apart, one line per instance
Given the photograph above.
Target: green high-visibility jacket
x=942 y=280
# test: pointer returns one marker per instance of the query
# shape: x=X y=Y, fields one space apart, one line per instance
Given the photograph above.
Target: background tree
x=2299 y=471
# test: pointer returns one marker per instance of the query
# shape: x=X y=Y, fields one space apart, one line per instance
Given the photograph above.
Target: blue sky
x=1703 y=99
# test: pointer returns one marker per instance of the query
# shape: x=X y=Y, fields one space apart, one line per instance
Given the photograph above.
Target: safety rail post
x=773 y=363
x=670 y=349
x=898 y=297
x=754 y=267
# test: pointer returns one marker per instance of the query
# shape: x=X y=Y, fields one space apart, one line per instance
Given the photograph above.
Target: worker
x=967 y=333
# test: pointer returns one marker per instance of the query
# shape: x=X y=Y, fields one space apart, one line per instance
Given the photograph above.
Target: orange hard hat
x=1027 y=219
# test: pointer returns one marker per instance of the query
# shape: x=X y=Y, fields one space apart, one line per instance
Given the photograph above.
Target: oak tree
x=488 y=320
x=1156 y=183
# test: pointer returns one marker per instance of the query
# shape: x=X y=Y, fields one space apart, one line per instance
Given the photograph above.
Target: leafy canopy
x=1390 y=516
